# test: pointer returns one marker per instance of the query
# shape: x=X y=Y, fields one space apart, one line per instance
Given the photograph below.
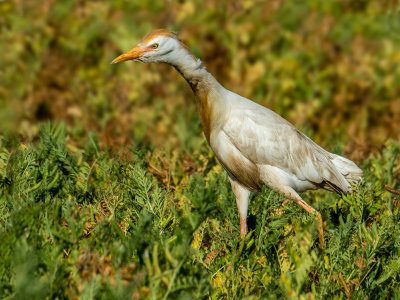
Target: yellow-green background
x=330 y=67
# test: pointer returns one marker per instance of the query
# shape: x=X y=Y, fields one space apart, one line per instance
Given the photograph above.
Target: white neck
x=210 y=100
x=191 y=68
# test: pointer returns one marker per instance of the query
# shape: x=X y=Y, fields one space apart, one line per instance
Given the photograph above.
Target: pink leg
x=311 y=210
x=242 y=201
x=290 y=193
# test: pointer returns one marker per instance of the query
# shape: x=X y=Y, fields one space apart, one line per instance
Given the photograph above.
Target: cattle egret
x=254 y=145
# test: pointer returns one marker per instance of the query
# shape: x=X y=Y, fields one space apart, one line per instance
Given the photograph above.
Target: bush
x=86 y=223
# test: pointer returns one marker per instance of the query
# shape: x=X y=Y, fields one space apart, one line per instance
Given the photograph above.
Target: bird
x=255 y=145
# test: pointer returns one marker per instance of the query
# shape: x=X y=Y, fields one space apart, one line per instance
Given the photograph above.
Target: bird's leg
x=296 y=198
x=242 y=201
x=311 y=210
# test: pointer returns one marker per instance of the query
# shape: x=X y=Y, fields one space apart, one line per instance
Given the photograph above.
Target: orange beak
x=135 y=53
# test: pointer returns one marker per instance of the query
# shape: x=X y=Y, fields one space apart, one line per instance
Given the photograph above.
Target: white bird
x=255 y=145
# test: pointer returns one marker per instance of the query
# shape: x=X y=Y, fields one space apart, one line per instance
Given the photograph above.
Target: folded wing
x=265 y=138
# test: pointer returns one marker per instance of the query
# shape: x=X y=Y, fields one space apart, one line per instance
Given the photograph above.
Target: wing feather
x=264 y=137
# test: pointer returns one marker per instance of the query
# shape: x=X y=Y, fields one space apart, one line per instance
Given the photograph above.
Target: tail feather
x=350 y=171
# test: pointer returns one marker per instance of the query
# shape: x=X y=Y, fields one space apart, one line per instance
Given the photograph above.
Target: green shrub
x=93 y=225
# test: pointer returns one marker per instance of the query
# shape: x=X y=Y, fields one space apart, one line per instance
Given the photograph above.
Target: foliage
x=98 y=227
x=88 y=224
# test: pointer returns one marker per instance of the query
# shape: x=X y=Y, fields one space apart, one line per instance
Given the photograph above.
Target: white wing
x=264 y=137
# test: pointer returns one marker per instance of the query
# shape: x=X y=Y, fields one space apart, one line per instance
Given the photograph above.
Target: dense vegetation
x=119 y=197
x=83 y=222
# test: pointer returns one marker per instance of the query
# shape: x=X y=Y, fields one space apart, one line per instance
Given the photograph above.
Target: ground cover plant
x=83 y=223
x=108 y=189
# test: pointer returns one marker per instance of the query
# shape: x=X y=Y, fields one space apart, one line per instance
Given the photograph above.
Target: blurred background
x=332 y=68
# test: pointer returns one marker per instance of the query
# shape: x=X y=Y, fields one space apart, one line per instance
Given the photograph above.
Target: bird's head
x=158 y=46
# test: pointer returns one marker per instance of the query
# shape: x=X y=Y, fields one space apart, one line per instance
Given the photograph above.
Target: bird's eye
x=154 y=46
